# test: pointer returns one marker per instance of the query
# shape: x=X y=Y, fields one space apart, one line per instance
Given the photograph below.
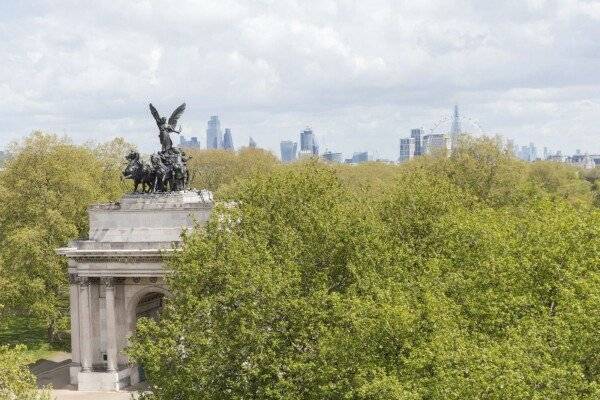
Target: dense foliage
x=213 y=169
x=45 y=189
x=16 y=382
x=470 y=277
x=474 y=276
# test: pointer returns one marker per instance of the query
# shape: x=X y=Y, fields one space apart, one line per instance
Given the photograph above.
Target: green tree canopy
x=16 y=381
x=213 y=169
x=436 y=287
x=45 y=189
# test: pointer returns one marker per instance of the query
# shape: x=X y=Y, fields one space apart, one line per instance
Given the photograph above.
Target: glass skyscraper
x=456 y=129
x=332 y=157
x=308 y=143
x=436 y=143
x=289 y=151
x=228 y=140
x=214 y=136
x=417 y=135
x=407 y=149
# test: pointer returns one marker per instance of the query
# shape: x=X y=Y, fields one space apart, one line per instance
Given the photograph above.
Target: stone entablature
x=110 y=273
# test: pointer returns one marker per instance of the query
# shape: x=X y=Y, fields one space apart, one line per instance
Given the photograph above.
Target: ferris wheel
x=468 y=124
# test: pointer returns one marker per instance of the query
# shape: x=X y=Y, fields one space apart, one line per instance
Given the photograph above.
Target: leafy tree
x=45 y=189
x=212 y=169
x=368 y=178
x=481 y=167
x=3 y=157
x=16 y=381
x=111 y=156
x=562 y=180
x=435 y=288
x=593 y=177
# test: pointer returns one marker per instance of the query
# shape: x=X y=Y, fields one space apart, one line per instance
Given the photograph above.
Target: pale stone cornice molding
x=117 y=256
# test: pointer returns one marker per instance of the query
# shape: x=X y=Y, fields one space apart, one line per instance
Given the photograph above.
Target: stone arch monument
x=117 y=274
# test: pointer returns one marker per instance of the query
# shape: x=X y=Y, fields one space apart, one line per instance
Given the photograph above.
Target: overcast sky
x=360 y=73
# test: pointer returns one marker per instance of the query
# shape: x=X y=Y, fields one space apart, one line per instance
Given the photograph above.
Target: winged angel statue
x=167 y=170
x=166 y=127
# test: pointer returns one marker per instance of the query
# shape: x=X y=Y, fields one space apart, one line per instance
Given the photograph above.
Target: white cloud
x=360 y=73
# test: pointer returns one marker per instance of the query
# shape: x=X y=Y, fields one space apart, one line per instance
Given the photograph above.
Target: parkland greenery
x=16 y=381
x=473 y=276
x=45 y=188
x=469 y=277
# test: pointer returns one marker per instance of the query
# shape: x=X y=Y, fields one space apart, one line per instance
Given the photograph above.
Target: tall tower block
x=456 y=130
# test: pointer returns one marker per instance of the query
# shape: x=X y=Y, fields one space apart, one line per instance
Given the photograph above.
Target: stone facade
x=118 y=275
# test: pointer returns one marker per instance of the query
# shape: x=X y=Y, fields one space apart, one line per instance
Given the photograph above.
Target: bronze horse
x=140 y=172
x=161 y=174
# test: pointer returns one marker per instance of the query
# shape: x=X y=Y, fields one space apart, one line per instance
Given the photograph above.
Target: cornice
x=116 y=256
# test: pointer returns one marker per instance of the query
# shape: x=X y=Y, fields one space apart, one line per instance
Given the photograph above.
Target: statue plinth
x=148 y=217
x=117 y=275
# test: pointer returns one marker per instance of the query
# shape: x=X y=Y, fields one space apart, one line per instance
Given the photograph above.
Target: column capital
x=108 y=282
x=74 y=279
x=84 y=282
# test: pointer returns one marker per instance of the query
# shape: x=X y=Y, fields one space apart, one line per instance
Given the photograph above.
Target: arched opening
x=149 y=306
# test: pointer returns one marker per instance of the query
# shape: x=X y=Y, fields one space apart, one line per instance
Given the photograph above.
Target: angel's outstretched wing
x=154 y=113
x=176 y=114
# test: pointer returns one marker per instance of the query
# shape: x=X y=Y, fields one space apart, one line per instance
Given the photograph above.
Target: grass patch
x=18 y=329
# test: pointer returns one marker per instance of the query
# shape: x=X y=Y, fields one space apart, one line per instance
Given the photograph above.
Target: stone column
x=111 y=325
x=74 y=306
x=85 y=338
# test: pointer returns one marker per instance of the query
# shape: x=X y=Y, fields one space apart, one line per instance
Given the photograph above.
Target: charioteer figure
x=167 y=170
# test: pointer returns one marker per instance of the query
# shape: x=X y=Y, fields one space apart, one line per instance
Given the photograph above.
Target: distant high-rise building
x=251 y=143
x=582 y=160
x=579 y=159
x=330 y=156
x=557 y=157
x=214 y=136
x=528 y=153
x=407 y=149
x=228 y=140
x=288 y=151
x=360 y=157
x=193 y=143
x=308 y=143
x=524 y=153
x=436 y=143
x=456 y=129
x=306 y=140
x=532 y=152
x=417 y=134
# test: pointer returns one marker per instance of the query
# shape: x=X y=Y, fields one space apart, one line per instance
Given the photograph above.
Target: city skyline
x=419 y=143
x=218 y=138
x=358 y=73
